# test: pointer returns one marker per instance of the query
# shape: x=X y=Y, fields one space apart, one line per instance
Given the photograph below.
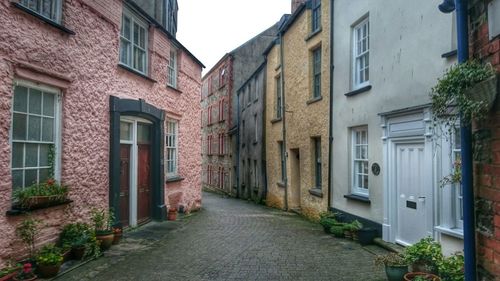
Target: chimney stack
x=296 y=4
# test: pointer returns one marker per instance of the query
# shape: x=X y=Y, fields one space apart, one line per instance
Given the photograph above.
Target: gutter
x=466 y=153
x=283 y=112
x=330 y=134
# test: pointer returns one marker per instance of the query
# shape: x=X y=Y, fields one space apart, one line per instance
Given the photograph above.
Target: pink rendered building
x=101 y=96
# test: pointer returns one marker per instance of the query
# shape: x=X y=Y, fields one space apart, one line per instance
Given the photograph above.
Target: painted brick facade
x=487 y=173
x=85 y=68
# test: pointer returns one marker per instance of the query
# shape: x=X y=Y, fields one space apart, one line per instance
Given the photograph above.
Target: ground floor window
x=171 y=143
x=359 y=156
x=34 y=131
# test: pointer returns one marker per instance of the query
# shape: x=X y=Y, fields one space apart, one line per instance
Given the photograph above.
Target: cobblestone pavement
x=230 y=239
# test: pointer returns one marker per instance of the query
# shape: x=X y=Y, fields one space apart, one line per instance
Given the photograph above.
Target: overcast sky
x=212 y=28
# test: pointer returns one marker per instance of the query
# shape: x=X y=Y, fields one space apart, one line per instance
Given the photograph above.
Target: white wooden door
x=411 y=187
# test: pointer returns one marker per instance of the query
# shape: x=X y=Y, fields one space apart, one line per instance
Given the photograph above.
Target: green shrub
x=426 y=251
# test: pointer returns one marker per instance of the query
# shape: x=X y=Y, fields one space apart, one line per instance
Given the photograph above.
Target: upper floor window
x=361 y=54
x=317 y=163
x=133 y=42
x=172 y=69
x=316 y=72
x=278 y=97
x=51 y=9
x=170 y=18
x=34 y=131
x=359 y=155
x=172 y=136
x=316 y=15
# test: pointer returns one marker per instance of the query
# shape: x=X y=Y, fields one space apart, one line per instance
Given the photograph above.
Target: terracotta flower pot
x=117 y=238
x=29 y=279
x=106 y=240
x=429 y=276
x=8 y=276
x=172 y=215
x=48 y=271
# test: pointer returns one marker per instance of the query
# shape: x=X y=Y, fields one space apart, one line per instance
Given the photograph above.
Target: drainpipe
x=330 y=135
x=238 y=145
x=283 y=116
x=461 y=7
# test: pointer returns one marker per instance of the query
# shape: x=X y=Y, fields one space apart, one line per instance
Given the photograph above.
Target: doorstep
x=389 y=246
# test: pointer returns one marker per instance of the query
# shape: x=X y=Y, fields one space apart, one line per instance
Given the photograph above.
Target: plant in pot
x=9 y=270
x=327 y=220
x=81 y=238
x=424 y=256
x=49 y=261
x=421 y=276
x=460 y=90
x=355 y=226
x=395 y=265
x=172 y=214
x=41 y=195
x=26 y=273
x=452 y=268
x=103 y=221
x=337 y=229
x=118 y=233
x=28 y=230
x=366 y=235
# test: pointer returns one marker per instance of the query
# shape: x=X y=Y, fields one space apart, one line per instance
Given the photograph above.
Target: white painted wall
x=407 y=39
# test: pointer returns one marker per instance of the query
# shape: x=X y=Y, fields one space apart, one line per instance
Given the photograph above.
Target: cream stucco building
x=387 y=159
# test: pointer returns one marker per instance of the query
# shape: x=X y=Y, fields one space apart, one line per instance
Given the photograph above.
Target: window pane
x=47 y=8
x=35 y=102
x=365 y=182
x=17 y=155
x=143 y=133
x=48 y=129
x=365 y=167
x=48 y=104
x=136 y=34
x=30 y=177
x=142 y=38
x=31 y=157
x=44 y=175
x=125 y=131
x=126 y=27
x=17 y=178
x=21 y=99
x=124 y=52
x=44 y=155
x=19 y=126
x=34 y=124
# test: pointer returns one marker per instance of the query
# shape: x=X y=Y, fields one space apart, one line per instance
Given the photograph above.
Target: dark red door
x=143 y=183
x=124 y=183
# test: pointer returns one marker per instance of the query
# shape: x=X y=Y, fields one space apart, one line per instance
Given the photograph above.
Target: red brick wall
x=487 y=169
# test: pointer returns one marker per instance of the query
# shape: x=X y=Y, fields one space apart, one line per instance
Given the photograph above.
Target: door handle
x=421 y=197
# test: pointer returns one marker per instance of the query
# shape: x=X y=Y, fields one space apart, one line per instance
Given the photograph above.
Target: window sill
x=313 y=34
x=455 y=232
x=358 y=91
x=358 y=198
x=17 y=211
x=276 y=120
x=449 y=54
x=44 y=19
x=174 y=179
x=316 y=192
x=129 y=69
x=174 y=89
x=280 y=184
x=313 y=100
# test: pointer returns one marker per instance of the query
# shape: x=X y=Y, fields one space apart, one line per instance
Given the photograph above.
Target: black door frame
x=139 y=108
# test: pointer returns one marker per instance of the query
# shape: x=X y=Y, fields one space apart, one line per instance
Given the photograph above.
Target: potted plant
x=81 y=238
x=395 y=266
x=327 y=220
x=103 y=221
x=118 y=233
x=355 y=226
x=26 y=273
x=49 y=261
x=455 y=93
x=28 y=230
x=337 y=230
x=424 y=256
x=172 y=214
x=421 y=276
x=9 y=271
x=452 y=268
x=366 y=235
x=41 y=195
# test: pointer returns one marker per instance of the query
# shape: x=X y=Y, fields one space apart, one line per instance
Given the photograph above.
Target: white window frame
x=317 y=163
x=316 y=57
x=172 y=147
x=315 y=15
x=172 y=69
x=355 y=187
x=57 y=126
x=256 y=139
x=134 y=19
x=56 y=9
x=279 y=97
x=356 y=58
